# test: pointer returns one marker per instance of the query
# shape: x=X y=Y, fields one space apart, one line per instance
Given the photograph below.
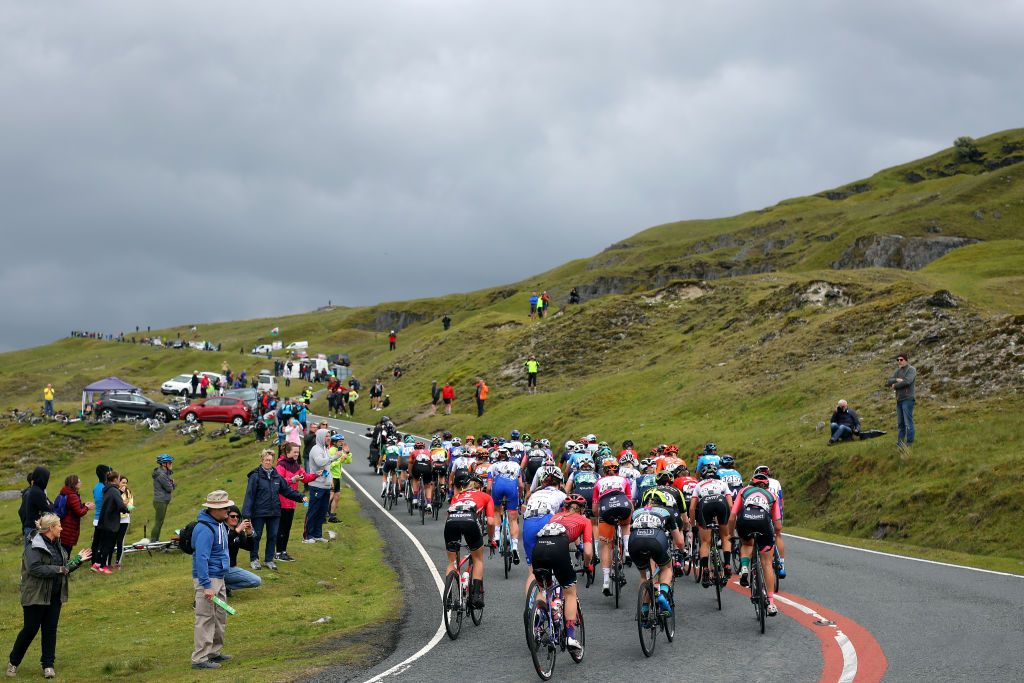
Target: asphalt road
x=890 y=616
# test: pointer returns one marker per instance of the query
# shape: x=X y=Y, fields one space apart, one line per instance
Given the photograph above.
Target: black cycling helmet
x=708 y=470
x=461 y=480
x=727 y=461
x=710 y=447
x=447 y=436
x=514 y=434
x=763 y=469
x=474 y=477
x=628 y=443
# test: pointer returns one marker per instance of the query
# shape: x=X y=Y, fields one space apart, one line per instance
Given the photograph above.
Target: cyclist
x=483 y=463
x=648 y=542
x=728 y=473
x=446 y=441
x=545 y=446
x=627 y=449
x=455 y=450
x=628 y=468
x=408 y=445
x=538 y=477
x=776 y=489
x=438 y=470
x=670 y=458
x=537 y=512
x=419 y=471
x=612 y=507
x=579 y=454
x=468 y=503
x=711 y=501
x=531 y=462
x=757 y=510
x=506 y=486
x=710 y=455
x=514 y=442
x=392 y=452
x=647 y=480
x=464 y=464
x=570 y=448
x=552 y=554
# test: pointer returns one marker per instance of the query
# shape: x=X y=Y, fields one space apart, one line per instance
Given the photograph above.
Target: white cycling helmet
x=570 y=445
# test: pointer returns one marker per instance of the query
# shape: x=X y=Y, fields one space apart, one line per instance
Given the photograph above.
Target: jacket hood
x=321 y=439
x=101 y=472
x=40 y=477
x=67 y=490
x=288 y=464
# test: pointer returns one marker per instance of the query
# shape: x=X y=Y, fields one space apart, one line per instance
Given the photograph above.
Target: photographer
x=239 y=537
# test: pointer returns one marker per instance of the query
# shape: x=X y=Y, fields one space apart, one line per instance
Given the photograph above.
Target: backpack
x=60 y=506
x=185 y=536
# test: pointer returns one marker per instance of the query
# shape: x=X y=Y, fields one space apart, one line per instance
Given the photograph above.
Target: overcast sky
x=165 y=163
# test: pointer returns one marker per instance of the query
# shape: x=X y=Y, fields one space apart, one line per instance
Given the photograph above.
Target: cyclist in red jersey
x=551 y=557
x=467 y=505
x=627 y=449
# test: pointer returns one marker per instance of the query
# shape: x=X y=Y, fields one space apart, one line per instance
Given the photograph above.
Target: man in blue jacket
x=210 y=564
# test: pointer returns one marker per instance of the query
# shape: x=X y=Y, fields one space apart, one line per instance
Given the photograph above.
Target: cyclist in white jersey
x=537 y=512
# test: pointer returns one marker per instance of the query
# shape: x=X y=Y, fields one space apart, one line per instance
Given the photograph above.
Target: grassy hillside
x=743 y=330
x=137 y=623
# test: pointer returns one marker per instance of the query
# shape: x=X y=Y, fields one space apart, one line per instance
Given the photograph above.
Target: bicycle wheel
x=543 y=650
x=669 y=622
x=581 y=634
x=647 y=626
x=476 y=614
x=452 y=605
x=506 y=545
x=717 y=573
x=776 y=565
x=408 y=496
x=695 y=556
x=617 y=567
x=422 y=498
x=736 y=564
x=437 y=499
x=531 y=600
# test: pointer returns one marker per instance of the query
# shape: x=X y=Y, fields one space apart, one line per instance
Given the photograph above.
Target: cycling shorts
x=505 y=488
x=389 y=466
x=460 y=526
x=421 y=470
x=552 y=554
x=649 y=544
x=336 y=484
x=531 y=525
x=713 y=507
x=753 y=520
x=403 y=462
x=614 y=509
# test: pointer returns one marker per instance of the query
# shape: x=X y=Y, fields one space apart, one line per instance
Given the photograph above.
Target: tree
x=966 y=149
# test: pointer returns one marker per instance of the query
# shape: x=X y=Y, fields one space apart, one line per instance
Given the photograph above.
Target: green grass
x=138 y=623
x=990 y=274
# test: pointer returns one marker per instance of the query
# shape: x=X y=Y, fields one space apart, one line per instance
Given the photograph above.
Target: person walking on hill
x=48 y=400
x=845 y=423
x=392 y=340
x=902 y=382
x=74 y=510
x=534 y=300
x=44 y=590
x=532 y=367
x=262 y=506
x=446 y=321
x=210 y=563
x=448 y=396
x=481 y=395
x=163 y=489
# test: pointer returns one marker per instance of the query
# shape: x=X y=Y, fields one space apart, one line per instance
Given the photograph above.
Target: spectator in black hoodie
x=34 y=501
x=109 y=523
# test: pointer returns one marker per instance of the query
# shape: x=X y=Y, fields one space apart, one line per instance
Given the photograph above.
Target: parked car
x=218 y=409
x=182 y=384
x=339 y=359
x=262 y=349
x=266 y=382
x=130 y=404
x=248 y=395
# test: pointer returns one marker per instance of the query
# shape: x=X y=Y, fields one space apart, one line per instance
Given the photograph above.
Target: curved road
x=847 y=615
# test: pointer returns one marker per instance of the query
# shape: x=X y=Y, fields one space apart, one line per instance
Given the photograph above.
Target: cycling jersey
x=654 y=517
x=612 y=484
x=481 y=468
x=462 y=521
x=583 y=482
x=504 y=478
x=676 y=496
x=551 y=553
x=545 y=501
x=732 y=478
x=462 y=464
x=644 y=483
x=421 y=456
x=473 y=502
x=712 y=458
x=669 y=461
x=755 y=509
x=576 y=458
x=439 y=458
x=533 y=462
x=687 y=485
x=392 y=452
x=711 y=502
x=631 y=474
x=504 y=469
x=757 y=497
x=573 y=525
x=710 y=488
x=516 y=446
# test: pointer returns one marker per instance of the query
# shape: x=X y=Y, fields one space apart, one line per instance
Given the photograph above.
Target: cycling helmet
x=447 y=436
x=628 y=459
x=549 y=461
x=526 y=437
x=708 y=470
x=470 y=439
x=591 y=438
x=570 y=445
x=664 y=476
x=580 y=448
x=628 y=443
x=552 y=474
x=576 y=499
x=514 y=434
x=419 y=444
x=462 y=479
x=671 y=449
x=586 y=463
x=727 y=461
x=456 y=441
x=603 y=445
x=759 y=479
x=646 y=463
x=435 y=442
x=710 y=447
x=481 y=453
x=409 y=438
x=763 y=469
x=653 y=452
x=475 y=478
x=658 y=497
x=545 y=443
x=610 y=464
x=385 y=419
x=486 y=443
x=392 y=441
x=161 y=459
x=503 y=452
x=501 y=440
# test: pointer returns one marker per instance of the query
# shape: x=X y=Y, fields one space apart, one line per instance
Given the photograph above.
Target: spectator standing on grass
x=534 y=300
x=293 y=432
x=48 y=400
x=126 y=520
x=97 y=501
x=239 y=538
x=195 y=382
x=902 y=382
x=210 y=563
x=319 y=489
x=262 y=507
x=339 y=448
x=44 y=590
x=448 y=396
x=288 y=466
x=446 y=321
x=574 y=296
x=204 y=386
x=542 y=304
x=845 y=423
x=481 y=395
x=392 y=339
x=353 y=396
x=532 y=367
x=435 y=397
x=74 y=510
x=163 y=489
x=309 y=441
x=111 y=509
x=34 y=502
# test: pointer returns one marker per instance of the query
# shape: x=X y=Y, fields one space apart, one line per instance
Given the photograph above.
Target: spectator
x=446 y=321
x=319 y=489
x=845 y=423
x=44 y=590
x=261 y=429
x=574 y=296
x=288 y=467
x=195 y=382
x=376 y=394
x=126 y=520
x=353 y=383
x=534 y=299
x=353 y=396
x=392 y=338
x=262 y=506
x=48 y=400
x=386 y=402
x=448 y=396
x=397 y=373
x=239 y=538
x=310 y=440
x=204 y=386
x=35 y=503
x=74 y=511
x=210 y=563
x=532 y=366
x=163 y=489
x=293 y=432
x=481 y=395
x=902 y=382
x=25 y=524
x=111 y=508
x=97 y=501
x=338 y=448
x=542 y=304
x=435 y=396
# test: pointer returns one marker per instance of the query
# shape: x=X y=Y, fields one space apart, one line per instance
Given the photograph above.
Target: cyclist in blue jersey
x=710 y=455
x=507 y=485
x=647 y=480
x=727 y=472
x=579 y=454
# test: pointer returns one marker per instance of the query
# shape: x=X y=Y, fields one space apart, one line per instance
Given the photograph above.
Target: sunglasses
x=901 y=360
x=232 y=515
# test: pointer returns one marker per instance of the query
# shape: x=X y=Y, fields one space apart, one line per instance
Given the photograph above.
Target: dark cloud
x=159 y=164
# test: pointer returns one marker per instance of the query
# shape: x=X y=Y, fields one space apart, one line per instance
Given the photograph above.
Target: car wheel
x=161 y=415
x=191 y=417
x=183 y=392
x=238 y=421
x=107 y=414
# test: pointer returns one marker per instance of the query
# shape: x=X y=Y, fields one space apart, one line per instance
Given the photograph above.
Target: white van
x=297 y=345
x=266 y=382
x=262 y=349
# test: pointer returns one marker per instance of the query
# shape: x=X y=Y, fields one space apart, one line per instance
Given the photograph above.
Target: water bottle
x=465 y=581
x=556 y=608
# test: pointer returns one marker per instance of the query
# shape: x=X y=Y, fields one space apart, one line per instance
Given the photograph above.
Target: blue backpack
x=60 y=506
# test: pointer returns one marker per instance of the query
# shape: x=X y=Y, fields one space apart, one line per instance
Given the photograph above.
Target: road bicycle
x=421 y=500
x=650 y=618
x=150 y=423
x=217 y=433
x=777 y=565
x=694 y=553
x=390 y=493
x=618 y=577
x=408 y=493
x=455 y=601
x=735 y=560
x=716 y=563
x=547 y=631
x=758 y=589
x=440 y=492
x=505 y=538
x=583 y=569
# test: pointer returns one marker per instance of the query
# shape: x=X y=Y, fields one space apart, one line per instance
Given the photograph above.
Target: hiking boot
x=744 y=577
x=256 y=566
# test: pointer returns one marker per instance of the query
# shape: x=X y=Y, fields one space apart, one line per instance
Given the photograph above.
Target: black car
x=130 y=404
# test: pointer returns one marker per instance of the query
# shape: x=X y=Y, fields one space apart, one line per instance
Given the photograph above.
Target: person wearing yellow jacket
x=338 y=446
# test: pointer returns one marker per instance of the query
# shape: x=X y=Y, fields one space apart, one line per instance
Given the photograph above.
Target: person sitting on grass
x=845 y=423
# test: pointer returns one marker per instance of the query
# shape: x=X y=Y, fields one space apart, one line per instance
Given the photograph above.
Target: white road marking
x=849 y=651
x=905 y=557
x=348 y=431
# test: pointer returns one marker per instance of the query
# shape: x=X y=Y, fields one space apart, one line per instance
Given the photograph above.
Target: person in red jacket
x=70 y=524
x=289 y=467
x=448 y=396
x=392 y=338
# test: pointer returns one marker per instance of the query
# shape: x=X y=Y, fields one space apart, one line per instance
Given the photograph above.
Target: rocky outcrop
x=387 y=320
x=897 y=251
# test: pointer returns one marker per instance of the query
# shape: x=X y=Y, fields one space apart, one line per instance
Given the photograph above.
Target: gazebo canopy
x=108 y=384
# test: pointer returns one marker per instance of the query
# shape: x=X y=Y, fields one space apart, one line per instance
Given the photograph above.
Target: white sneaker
x=321 y=539
x=309 y=540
